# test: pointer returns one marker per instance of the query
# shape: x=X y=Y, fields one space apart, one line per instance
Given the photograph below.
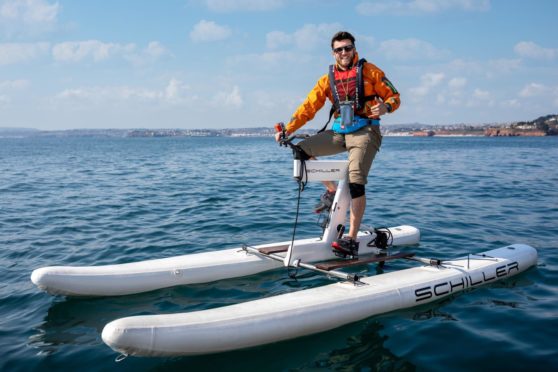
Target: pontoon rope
x=292 y=273
x=303 y=174
x=301 y=186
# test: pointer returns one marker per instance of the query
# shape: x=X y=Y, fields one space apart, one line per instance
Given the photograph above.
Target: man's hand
x=282 y=132
x=376 y=110
x=279 y=136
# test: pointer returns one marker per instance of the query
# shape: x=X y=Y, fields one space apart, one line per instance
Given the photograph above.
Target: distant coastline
x=542 y=126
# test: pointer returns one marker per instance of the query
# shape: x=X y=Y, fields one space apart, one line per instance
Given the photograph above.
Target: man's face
x=343 y=52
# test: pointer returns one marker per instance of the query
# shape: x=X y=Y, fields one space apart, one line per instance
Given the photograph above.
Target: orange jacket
x=375 y=83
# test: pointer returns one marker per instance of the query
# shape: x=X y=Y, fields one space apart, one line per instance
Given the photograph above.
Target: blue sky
x=247 y=63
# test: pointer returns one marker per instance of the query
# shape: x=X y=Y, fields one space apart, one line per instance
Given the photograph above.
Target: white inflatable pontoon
x=310 y=311
x=136 y=277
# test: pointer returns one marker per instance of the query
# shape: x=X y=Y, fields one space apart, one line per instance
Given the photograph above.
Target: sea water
x=95 y=201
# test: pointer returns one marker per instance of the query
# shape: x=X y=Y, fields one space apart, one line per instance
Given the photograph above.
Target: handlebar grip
x=280 y=127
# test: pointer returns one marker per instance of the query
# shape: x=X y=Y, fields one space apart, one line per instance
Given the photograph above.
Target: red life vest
x=353 y=83
x=348 y=86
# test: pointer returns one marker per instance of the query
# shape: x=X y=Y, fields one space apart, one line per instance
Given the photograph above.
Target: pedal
x=346 y=246
x=339 y=254
x=345 y=256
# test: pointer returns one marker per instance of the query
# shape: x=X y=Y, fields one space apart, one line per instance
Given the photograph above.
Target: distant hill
x=543 y=126
x=548 y=124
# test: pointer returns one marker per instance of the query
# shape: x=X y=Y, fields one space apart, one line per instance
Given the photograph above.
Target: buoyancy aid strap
x=359 y=85
x=331 y=112
x=334 y=94
x=361 y=98
x=333 y=88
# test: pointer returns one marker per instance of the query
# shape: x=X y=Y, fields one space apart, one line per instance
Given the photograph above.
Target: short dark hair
x=342 y=35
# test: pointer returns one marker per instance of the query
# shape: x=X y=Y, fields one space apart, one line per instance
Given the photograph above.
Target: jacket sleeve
x=382 y=86
x=311 y=105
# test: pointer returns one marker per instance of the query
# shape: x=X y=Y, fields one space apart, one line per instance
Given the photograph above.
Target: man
x=360 y=94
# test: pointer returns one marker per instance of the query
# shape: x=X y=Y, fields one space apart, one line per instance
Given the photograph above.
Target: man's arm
x=311 y=105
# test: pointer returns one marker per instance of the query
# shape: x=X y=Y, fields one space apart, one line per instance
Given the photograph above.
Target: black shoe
x=345 y=246
x=326 y=201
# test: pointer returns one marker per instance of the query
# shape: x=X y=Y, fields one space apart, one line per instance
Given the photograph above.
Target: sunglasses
x=346 y=48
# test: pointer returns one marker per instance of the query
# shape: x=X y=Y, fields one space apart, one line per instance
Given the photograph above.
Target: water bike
x=351 y=298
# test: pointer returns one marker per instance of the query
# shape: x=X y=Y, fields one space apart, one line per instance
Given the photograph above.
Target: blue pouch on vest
x=357 y=123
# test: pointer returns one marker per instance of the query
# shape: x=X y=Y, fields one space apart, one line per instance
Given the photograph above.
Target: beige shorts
x=362 y=146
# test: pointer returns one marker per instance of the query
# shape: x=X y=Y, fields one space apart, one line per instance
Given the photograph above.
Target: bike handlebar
x=287 y=141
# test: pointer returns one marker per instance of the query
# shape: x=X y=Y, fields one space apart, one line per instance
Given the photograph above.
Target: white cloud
x=14 y=84
x=24 y=19
x=411 y=49
x=489 y=69
x=457 y=83
x=277 y=39
x=481 y=94
x=4 y=100
x=310 y=36
x=503 y=66
x=173 y=93
x=433 y=79
x=10 y=88
x=364 y=39
x=460 y=65
x=209 y=31
x=11 y=53
x=530 y=49
x=271 y=61
x=533 y=89
x=511 y=103
x=151 y=53
x=480 y=98
x=232 y=99
x=29 y=11
x=244 y=5
x=76 y=51
x=155 y=49
x=416 y=7
x=428 y=81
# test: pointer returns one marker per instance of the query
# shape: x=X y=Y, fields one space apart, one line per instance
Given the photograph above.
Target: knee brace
x=356 y=190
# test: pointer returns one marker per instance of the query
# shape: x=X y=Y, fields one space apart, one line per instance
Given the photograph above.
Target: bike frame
x=319 y=171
